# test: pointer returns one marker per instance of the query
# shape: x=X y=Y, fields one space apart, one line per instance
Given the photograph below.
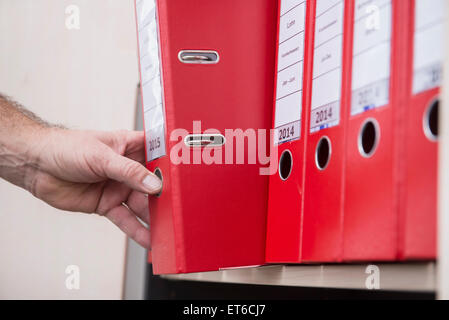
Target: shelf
x=393 y=276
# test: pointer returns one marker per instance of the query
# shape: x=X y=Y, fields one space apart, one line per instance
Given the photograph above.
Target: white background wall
x=82 y=78
x=443 y=196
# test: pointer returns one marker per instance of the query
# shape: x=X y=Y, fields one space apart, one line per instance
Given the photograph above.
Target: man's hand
x=83 y=171
x=99 y=172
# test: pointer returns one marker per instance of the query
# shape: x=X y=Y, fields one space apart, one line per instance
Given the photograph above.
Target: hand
x=95 y=172
x=84 y=171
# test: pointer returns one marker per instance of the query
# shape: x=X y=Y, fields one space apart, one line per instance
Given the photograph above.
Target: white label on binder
x=429 y=44
x=289 y=81
x=287 y=5
x=371 y=55
x=291 y=52
x=151 y=85
x=327 y=65
x=290 y=71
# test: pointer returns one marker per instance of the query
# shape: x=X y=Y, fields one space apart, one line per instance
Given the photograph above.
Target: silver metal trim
x=376 y=141
x=198 y=56
x=279 y=165
x=316 y=153
x=204 y=140
x=425 y=121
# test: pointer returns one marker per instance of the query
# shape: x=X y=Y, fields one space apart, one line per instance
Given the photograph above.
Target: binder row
x=362 y=184
x=351 y=89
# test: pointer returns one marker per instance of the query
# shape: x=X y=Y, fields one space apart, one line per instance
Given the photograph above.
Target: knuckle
x=119 y=137
x=96 y=162
x=40 y=186
x=103 y=158
x=131 y=169
x=35 y=185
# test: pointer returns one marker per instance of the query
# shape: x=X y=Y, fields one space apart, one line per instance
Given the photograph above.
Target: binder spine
x=154 y=67
x=172 y=200
x=322 y=237
x=419 y=193
x=370 y=222
x=286 y=188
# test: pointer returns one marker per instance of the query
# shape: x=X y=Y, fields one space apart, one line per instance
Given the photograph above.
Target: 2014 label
x=286 y=133
x=323 y=115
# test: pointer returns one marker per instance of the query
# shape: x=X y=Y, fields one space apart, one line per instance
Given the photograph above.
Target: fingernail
x=152 y=183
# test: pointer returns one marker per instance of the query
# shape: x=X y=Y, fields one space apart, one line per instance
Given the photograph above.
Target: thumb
x=132 y=173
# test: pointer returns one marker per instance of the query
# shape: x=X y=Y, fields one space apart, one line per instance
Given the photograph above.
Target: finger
x=65 y=195
x=138 y=156
x=113 y=194
x=135 y=146
x=135 y=141
x=123 y=218
x=138 y=203
x=130 y=172
x=126 y=141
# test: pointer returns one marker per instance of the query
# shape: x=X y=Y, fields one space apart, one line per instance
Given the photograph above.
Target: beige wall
x=82 y=78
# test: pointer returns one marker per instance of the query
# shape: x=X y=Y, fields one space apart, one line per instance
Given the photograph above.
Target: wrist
x=21 y=154
x=25 y=142
x=37 y=146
